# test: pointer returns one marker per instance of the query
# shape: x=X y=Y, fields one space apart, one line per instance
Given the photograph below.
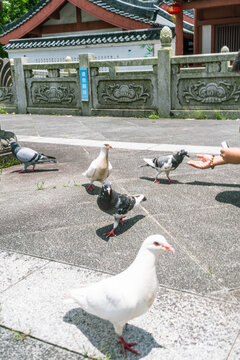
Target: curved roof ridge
x=87 y=39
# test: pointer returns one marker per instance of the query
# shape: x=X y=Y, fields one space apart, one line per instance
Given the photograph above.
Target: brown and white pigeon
x=166 y=163
x=127 y=295
x=99 y=168
x=116 y=204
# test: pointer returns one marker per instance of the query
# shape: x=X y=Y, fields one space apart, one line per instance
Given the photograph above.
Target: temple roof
x=114 y=37
x=142 y=11
x=138 y=10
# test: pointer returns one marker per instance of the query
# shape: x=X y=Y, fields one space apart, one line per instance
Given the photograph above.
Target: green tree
x=14 y=9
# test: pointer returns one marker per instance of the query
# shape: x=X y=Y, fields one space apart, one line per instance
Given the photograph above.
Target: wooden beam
x=179 y=34
x=198 y=4
x=196 y=33
x=212 y=39
x=91 y=25
x=224 y=21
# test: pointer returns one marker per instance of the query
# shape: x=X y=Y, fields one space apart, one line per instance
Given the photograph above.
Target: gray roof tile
x=91 y=39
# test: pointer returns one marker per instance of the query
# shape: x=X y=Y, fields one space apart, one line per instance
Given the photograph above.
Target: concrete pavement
x=52 y=239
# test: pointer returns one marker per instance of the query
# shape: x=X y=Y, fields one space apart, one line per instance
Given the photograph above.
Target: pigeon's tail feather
x=149 y=163
x=50 y=157
x=139 y=198
x=76 y=295
x=68 y=300
x=46 y=158
x=144 y=165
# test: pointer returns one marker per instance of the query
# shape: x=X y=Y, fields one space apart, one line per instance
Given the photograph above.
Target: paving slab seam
x=60 y=228
x=231 y=349
x=47 y=342
x=112 y=274
x=25 y=276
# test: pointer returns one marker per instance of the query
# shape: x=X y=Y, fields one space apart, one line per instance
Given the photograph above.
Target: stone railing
x=209 y=86
x=165 y=85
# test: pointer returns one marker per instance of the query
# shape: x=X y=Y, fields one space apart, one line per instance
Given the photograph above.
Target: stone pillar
x=84 y=60
x=19 y=80
x=164 y=73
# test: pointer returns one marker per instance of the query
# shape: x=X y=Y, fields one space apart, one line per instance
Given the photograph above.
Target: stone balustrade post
x=20 y=85
x=225 y=64
x=164 y=73
x=86 y=91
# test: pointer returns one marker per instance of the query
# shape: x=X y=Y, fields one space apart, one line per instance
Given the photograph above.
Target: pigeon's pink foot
x=108 y=234
x=170 y=180
x=156 y=181
x=91 y=188
x=121 y=220
x=21 y=171
x=127 y=346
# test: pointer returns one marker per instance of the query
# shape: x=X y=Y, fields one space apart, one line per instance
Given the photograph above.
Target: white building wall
x=206 y=39
x=103 y=52
x=67 y=16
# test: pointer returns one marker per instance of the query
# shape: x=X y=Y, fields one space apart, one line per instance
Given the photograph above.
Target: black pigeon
x=28 y=156
x=166 y=163
x=116 y=204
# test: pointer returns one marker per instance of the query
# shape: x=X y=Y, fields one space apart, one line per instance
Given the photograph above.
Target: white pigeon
x=127 y=295
x=29 y=156
x=99 y=168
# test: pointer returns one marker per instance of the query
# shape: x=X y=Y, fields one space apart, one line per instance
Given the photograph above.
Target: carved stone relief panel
x=59 y=94
x=125 y=93
x=7 y=95
x=208 y=91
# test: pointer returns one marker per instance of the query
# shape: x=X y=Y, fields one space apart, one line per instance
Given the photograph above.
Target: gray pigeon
x=28 y=156
x=166 y=163
x=116 y=204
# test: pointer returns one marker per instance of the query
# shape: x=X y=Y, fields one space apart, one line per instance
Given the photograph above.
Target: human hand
x=203 y=164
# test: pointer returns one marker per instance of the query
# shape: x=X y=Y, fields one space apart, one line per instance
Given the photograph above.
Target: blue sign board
x=84 y=84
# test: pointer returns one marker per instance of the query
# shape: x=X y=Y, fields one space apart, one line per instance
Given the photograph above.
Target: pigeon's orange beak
x=110 y=147
x=169 y=248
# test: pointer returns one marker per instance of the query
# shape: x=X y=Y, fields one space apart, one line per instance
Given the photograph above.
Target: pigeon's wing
x=107 y=299
x=92 y=168
x=164 y=162
x=125 y=204
x=25 y=154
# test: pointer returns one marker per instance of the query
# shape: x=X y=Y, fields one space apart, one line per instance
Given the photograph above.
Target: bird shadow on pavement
x=96 y=190
x=102 y=336
x=205 y=183
x=127 y=224
x=229 y=197
x=162 y=181
x=35 y=171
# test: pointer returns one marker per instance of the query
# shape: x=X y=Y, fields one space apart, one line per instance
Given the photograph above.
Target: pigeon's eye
x=156 y=243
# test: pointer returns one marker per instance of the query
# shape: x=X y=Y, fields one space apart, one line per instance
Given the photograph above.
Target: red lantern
x=174 y=9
